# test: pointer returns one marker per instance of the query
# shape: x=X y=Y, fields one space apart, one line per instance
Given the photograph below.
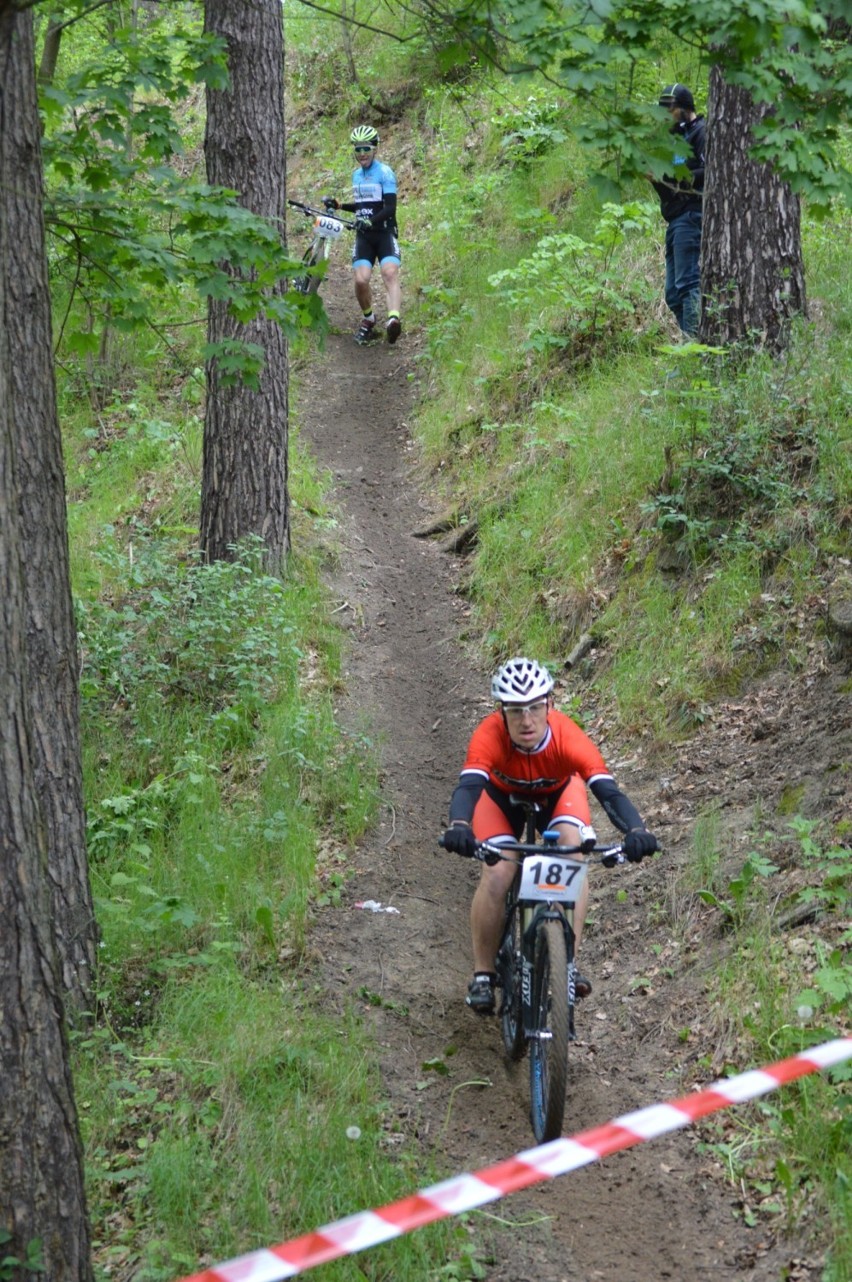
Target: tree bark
x=752 y=272
x=41 y=1168
x=51 y=633
x=244 y=486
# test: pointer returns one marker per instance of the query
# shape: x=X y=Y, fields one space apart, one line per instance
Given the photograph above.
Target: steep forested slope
x=669 y=528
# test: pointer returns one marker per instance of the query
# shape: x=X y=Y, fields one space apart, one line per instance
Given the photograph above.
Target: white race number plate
x=328 y=228
x=552 y=877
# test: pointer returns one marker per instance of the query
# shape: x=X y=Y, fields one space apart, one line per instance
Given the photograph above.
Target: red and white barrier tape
x=465 y=1192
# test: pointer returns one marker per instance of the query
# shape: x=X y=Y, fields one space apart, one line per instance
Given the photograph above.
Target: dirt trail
x=659 y=1211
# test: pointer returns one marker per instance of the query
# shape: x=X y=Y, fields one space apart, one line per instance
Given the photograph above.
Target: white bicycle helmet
x=520 y=681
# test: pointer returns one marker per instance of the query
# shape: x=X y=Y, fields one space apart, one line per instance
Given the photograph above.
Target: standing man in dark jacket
x=680 y=204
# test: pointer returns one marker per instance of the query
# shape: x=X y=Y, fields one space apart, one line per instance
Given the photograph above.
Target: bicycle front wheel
x=316 y=253
x=549 y=1049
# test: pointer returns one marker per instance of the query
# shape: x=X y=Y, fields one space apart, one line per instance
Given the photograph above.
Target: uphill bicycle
x=535 y=962
x=326 y=229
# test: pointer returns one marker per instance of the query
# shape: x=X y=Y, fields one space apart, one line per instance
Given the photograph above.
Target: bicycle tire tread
x=549 y=1059
x=511 y=1013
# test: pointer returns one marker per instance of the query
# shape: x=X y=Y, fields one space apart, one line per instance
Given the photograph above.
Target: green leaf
x=264 y=919
x=84 y=343
x=436 y=1065
x=122 y=879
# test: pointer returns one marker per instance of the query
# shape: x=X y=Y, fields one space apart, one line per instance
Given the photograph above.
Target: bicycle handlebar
x=328 y=212
x=608 y=856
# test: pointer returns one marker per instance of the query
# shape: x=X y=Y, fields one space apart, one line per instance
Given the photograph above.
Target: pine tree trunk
x=244 y=487
x=752 y=273
x=41 y=1169
x=51 y=635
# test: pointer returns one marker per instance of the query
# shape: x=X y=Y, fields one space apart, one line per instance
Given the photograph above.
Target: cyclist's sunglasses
x=362 y=149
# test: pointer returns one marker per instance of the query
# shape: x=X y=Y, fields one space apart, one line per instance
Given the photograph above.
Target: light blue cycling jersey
x=369 y=187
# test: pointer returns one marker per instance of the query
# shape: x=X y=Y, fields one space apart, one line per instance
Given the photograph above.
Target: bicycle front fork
x=531 y=927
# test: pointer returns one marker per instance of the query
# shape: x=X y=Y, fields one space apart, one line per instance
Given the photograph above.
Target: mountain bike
x=326 y=228
x=535 y=962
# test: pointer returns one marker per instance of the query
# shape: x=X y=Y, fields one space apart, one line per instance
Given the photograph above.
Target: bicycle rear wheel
x=509 y=971
x=316 y=253
x=549 y=1048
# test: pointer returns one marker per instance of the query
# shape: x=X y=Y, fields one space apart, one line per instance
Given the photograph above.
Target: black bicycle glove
x=460 y=839
x=330 y=202
x=363 y=223
x=638 y=843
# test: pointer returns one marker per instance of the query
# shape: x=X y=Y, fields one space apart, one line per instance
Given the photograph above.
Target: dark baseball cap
x=677 y=96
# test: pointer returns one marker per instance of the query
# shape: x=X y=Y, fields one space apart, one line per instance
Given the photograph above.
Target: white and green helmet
x=364 y=136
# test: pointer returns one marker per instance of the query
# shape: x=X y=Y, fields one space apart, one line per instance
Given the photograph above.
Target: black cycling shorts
x=376 y=247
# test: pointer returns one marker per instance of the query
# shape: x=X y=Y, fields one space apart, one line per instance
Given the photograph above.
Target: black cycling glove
x=330 y=202
x=638 y=843
x=460 y=839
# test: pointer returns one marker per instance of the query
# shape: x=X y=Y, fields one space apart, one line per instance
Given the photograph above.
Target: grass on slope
x=679 y=509
x=223 y=1106
x=688 y=513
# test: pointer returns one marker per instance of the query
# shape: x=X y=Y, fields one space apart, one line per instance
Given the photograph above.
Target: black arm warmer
x=619 y=809
x=387 y=213
x=465 y=797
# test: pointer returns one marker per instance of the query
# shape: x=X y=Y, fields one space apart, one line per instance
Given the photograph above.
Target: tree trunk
x=41 y=1168
x=244 y=487
x=752 y=273
x=50 y=49
x=51 y=634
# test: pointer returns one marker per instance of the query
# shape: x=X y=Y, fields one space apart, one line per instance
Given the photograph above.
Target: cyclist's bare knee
x=495 y=880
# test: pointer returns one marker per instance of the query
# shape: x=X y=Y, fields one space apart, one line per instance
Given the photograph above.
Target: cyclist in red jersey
x=528 y=748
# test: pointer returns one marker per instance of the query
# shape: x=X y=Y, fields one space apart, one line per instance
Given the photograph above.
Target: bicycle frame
x=535 y=963
x=533 y=916
x=535 y=960
x=327 y=227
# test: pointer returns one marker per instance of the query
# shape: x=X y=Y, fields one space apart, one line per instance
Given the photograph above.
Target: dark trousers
x=683 y=281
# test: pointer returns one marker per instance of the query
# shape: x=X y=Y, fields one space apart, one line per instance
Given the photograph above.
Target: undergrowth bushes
x=217 y=1097
x=197 y=704
x=579 y=293
x=687 y=511
x=679 y=506
x=219 y=1101
x=625 y=486
x=784 y=985
x=217 y=635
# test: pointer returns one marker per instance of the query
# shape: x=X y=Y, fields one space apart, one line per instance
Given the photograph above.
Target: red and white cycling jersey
x=564 y=751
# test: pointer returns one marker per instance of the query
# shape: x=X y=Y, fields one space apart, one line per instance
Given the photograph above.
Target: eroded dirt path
x=658 y=1211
